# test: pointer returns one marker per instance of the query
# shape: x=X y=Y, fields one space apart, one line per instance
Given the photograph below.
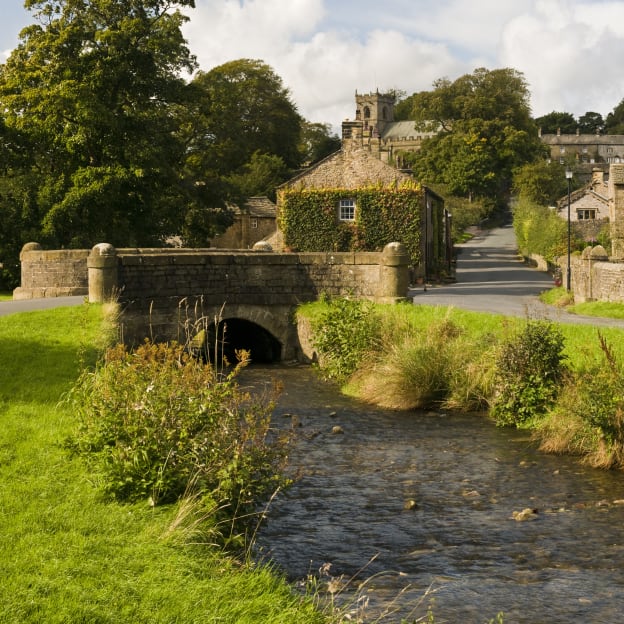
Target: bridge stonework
x=166 y=294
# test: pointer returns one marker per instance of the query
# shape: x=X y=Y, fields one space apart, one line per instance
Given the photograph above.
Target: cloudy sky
x=570 y=51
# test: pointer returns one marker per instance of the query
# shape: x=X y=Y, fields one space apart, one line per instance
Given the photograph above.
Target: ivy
x=309 y=218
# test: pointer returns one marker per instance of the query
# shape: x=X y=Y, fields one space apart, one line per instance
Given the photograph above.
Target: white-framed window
x=584 y=215
x=562 y=149
x=346 y=210
x=253 y=223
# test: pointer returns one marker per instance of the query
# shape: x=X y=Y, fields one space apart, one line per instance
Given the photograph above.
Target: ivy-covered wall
x=308 y=218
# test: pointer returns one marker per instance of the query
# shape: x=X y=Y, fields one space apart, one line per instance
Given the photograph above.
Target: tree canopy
x=103 y=139
x=614 y=123
x=557 y=121
x=91 y=92
x=485 y=131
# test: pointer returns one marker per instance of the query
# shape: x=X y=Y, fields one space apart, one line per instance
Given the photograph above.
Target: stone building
x=585 y=152
x=374 y=127
x=253 y=222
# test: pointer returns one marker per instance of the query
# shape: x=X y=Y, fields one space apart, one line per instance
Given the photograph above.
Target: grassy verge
x=6 y=296
x=70 y=556
x=559 y=297
x=564 y=382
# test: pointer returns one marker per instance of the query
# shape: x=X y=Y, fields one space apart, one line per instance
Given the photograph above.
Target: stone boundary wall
x=594 y=278
x=59 y=273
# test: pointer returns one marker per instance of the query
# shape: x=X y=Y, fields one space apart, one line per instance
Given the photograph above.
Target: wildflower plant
x=155 y=420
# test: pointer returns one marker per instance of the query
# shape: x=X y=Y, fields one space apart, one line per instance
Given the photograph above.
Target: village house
x=253 y=221
x=589 y=206
x=585 y=152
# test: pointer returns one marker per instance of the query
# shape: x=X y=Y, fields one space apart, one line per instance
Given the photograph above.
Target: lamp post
x=568 y=175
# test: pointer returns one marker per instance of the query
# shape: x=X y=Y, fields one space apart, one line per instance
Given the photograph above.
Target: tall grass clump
x=529 y=369
x=588 y=418
x=419 y=365
x=158 y=424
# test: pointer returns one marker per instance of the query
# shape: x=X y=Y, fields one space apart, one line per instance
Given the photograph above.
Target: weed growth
x=529 y=368
x=156 y=423
x=344 y=332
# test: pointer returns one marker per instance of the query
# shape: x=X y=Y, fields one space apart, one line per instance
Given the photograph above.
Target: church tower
x=374 y=111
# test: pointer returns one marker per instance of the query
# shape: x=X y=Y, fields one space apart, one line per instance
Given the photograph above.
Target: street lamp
x=568 y=175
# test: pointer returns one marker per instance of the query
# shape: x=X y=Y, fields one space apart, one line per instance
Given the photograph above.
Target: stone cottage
x=253 y=222
x=589 y=206
x=356 y=166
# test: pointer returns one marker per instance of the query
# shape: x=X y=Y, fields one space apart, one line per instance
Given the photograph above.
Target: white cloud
x=569 y=54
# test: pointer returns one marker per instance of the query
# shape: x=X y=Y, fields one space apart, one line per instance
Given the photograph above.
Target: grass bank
x=68 y=554
x=563 y=382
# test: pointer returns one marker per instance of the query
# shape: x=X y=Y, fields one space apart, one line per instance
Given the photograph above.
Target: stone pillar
x=102 y=268
x=616 y=211
x=393 y=274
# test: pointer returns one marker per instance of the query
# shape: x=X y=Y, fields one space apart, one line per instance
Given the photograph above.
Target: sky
x=569 y=51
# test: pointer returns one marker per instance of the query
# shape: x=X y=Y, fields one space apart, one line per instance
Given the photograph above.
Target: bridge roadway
x=491 y=277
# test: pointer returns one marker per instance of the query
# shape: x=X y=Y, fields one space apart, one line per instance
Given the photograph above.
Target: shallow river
x=458 y=544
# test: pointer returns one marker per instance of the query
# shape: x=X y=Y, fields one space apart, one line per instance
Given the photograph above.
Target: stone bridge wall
x=59 y=273
x=167 y=293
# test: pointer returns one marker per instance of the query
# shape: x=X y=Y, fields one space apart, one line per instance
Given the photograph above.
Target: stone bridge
x=172 y=294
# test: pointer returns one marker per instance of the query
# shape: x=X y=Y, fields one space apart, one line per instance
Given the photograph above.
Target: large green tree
x=484 y=131
x=615 y=120
x=93 y=88
x=554 y=122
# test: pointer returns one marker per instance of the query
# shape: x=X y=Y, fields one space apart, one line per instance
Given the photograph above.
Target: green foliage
x=529 y=369
x=317 y=142
x=343 y=333
x=156 y=423
x=484 y=131
x=554 y=121
x=591 y=123
x=71 y=556
x=540 y=230
x=90 y=93
x=309 y=219
x=540 y=182
x=614 y=123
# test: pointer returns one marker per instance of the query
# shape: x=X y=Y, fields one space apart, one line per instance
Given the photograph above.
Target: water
x=459 y=543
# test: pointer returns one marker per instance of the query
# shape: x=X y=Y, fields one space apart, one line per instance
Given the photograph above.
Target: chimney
x=558 y=131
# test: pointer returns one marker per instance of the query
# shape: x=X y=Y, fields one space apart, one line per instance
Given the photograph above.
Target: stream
x=403 y=511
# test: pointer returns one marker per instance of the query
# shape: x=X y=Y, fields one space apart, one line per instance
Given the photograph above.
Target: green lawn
x=69 y=556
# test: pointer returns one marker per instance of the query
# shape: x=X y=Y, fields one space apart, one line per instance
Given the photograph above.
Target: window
x=584 y=215
x=253 y=223
x=346 y=211
x=562 y=150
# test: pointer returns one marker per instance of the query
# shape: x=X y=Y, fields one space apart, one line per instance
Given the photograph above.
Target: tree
x=484 y=132
x=93 y=91
x=554 y=122
x=540 y=182
x=615 y=120
x=317 y=142
x=591 y=123
x=244 y=109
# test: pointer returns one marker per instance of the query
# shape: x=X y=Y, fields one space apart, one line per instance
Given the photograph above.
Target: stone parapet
x=58 y=273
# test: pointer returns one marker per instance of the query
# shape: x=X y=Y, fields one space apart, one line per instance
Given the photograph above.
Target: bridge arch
x=266 y=331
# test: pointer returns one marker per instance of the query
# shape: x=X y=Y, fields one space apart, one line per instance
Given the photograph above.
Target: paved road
x=491 y=277
x=27 y=305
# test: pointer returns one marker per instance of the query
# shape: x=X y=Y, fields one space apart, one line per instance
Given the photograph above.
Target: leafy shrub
x=594 y=399
x=344 y=332
x=155 y=422
x=529 y=368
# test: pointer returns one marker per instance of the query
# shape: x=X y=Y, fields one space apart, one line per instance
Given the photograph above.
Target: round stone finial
x=262 y=246
x=103 y=249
